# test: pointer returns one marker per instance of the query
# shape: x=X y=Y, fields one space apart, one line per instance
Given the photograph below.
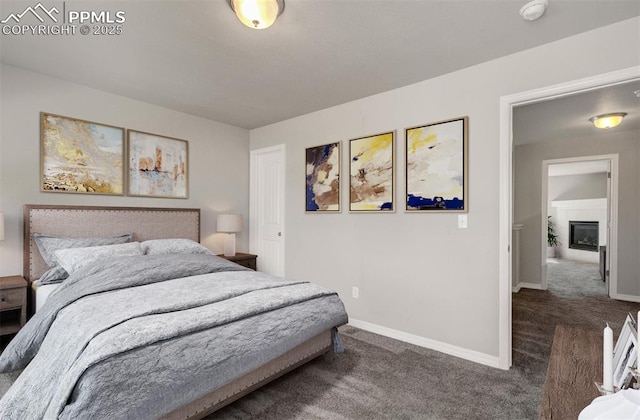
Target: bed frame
x=155 y=223
x=81 y=222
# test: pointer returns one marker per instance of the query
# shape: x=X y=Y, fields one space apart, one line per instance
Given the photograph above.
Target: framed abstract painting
x=322 y=174
x=371 y=173
x=158 y=165
x=78 y=156
x=436 y=157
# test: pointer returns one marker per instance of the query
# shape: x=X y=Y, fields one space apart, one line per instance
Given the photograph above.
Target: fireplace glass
x=583 y=235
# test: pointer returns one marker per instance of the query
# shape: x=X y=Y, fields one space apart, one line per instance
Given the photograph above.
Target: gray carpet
x=574 y=279
x=382 y=378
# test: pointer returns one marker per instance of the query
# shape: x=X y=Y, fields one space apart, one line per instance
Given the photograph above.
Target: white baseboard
x=536 y=286
x=449 y=349
x=628 y=298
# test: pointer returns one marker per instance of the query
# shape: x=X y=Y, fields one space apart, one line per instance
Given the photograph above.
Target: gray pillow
x=52 y=276
x=71 y=259
x=173 y=246
x=48 y=244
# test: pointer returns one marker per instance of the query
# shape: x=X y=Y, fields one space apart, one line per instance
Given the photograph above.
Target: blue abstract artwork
x=323 y=178
x=436 y=165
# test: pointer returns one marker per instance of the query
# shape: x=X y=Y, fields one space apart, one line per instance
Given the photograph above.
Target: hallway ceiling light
x=608 y=120
x=534 y=9
x=257 y=14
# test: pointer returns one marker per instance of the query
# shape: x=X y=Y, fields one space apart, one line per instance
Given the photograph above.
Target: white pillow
x=173 y=246
x=72 y=259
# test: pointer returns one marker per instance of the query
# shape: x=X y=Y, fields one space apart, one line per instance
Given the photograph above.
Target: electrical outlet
x=355 y=292
x=462 y=221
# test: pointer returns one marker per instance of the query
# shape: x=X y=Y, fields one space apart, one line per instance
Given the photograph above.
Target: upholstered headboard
x=84 y=221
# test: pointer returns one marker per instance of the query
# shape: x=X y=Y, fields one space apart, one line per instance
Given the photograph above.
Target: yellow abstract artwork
x=371 y=173
x=81 y=156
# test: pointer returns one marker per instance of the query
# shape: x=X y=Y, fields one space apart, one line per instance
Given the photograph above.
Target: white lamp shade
x=1 y=226
x=229 y=223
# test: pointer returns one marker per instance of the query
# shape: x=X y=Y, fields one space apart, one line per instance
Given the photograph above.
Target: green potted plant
x=552 y=238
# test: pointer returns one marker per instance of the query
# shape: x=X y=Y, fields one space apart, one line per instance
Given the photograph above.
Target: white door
x=267 y=208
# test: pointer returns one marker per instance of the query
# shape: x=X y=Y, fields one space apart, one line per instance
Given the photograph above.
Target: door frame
x=612 y=217
x=253 y=201
x=506 y=186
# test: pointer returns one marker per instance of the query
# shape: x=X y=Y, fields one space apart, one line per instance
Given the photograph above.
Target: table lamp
x=229 y=224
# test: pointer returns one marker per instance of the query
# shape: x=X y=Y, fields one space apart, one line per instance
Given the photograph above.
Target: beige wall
x=418 y=273
x=577 y=187
x=528 y=200
x=218 y=155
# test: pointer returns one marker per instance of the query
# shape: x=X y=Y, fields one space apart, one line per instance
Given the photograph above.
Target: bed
x=155 y=334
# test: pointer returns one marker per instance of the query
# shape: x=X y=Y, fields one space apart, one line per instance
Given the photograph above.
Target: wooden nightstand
x=13 y=304
x=245 y=260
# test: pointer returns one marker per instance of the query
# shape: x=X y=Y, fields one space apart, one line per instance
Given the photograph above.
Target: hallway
x=576 y=297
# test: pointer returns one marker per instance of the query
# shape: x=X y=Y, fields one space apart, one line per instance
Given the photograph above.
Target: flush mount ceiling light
x=257 y=14
x=608 y=120
x=534 y=9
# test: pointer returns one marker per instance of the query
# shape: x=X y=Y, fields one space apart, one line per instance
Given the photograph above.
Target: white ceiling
x=195 y=57
x=568 y=117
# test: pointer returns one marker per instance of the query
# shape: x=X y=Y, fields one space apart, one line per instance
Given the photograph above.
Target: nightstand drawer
x=249 y=263
x=11 y=298
x=245 y=260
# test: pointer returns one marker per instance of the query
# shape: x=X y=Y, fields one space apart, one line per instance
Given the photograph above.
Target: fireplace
x=583 y=235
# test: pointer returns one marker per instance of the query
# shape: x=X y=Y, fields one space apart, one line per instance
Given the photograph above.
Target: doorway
x=506 y=207
x=580 y=198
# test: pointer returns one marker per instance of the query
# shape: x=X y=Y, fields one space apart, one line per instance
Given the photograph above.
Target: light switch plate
x=462 y=221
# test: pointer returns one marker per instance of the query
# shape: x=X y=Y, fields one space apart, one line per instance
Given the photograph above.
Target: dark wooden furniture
x=13 y=304
x=603 y=262
x=574 y=367
x=245 y=260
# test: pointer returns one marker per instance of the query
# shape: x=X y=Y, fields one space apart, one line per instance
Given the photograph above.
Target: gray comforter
x=138 y=337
